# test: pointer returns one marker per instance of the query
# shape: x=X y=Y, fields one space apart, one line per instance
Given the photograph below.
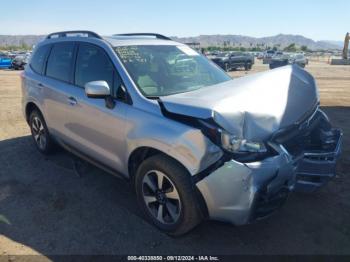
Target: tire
x=173 y=207
x=40 y=133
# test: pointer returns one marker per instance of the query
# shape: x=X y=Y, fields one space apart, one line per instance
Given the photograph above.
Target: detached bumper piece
x=317 y=167
x=315 y=146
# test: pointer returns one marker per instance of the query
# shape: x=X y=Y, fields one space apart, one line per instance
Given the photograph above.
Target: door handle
x=72 y=101
x=40 y=86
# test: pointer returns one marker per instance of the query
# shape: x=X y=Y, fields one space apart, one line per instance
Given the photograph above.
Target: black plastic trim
x=210 y=169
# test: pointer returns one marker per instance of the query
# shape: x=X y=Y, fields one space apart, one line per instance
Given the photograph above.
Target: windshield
x=165 y=70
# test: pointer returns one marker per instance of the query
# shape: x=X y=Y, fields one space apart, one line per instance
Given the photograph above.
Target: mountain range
x=281 y=40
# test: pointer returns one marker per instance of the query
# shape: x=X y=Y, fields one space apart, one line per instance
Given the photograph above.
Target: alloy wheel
x=39 y=133
x=161 y=197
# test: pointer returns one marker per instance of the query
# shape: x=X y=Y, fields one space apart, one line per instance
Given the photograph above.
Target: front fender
x=184 y=143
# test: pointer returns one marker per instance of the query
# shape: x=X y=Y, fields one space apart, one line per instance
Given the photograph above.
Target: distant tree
x=304 y=48
x=256 y=49
x=291 y=48
x=24 y=46
x=15 y=47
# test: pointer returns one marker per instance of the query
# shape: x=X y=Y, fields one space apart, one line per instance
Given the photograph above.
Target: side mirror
x=97 y=89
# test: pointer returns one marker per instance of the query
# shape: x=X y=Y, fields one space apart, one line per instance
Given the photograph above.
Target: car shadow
x=59 y=204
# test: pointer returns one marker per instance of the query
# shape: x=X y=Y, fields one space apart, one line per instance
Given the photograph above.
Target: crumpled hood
x=251 y=107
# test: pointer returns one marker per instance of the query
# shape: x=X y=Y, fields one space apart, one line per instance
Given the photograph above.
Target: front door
x=91 y=127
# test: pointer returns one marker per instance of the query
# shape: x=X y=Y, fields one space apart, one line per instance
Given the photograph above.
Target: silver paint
x=97 y=88
x=251 y=107
x=230 y=191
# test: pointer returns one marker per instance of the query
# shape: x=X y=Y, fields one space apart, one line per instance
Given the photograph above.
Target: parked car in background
x=234 y=60
x=260 y=55
x=19 y=62
x=279 y=60
x=299 y=59
x=283 y=59
x=268 y=56
x=193 y=142
x=5 y=61
x=212 y=54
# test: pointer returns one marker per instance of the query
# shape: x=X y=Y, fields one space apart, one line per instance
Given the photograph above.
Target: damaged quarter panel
x=184 y=143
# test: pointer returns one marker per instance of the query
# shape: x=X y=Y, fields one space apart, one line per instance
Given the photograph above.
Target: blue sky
x=319 y=20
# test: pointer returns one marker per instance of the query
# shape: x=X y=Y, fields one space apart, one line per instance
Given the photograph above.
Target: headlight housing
x=229 y=142
x=234 y=144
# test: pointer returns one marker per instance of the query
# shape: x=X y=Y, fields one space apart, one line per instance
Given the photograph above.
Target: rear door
x=91 y=127
x=57 y=86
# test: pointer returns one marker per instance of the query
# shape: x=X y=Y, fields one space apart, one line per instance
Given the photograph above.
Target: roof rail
x=66 y=33
x=159 y=36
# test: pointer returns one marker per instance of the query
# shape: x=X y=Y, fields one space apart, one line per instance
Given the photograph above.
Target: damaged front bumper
x=317 y=167
x=316 y=146
x=240 y=193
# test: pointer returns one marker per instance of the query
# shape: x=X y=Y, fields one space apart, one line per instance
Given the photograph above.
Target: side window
x=38 y=59
x=93 y=65
x=60 y=61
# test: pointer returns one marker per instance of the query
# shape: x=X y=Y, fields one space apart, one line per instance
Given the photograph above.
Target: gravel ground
x=46 y=208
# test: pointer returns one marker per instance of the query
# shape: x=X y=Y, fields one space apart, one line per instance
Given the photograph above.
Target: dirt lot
x=46 y=208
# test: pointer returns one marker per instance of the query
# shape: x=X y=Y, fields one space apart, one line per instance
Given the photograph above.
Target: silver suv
x=193 y=142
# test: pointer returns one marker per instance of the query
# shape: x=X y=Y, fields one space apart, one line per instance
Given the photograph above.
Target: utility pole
x=346 y=46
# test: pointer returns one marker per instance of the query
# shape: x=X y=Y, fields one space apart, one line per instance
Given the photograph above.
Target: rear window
x=38 y=59
x=60 y=61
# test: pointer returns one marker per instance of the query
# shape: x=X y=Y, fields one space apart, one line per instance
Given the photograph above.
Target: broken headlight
x=234 y=144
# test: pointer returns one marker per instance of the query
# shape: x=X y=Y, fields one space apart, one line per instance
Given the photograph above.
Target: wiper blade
x=152 y=97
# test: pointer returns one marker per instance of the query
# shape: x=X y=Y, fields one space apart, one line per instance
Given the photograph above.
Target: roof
x=137 y=40
x=115 y=40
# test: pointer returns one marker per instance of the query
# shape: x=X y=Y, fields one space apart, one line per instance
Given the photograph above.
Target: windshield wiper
x=152 y=97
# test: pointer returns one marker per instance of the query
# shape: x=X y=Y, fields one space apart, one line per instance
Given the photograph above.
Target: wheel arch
x=138 y=155
x=30 y=106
